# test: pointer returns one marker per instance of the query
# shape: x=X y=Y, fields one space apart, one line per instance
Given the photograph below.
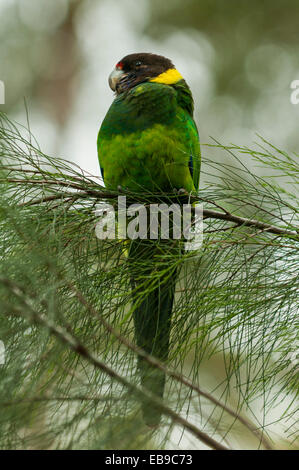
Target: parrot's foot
x=122 y=189
x=182 y=192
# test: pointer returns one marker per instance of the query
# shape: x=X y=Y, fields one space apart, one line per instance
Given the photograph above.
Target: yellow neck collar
x=169 y=77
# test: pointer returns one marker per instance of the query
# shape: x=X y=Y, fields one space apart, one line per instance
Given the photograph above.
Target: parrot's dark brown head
x=142 y=67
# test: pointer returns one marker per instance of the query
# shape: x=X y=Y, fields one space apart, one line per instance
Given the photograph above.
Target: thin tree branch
x=73 y=343
x=56 y=398
x=175 y=375
x=207 y=213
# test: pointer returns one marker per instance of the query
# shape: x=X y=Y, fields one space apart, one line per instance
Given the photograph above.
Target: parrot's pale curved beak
x=114 y=78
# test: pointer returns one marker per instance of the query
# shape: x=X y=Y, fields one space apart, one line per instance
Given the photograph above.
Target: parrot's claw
x=122 y=189
x=182 y=192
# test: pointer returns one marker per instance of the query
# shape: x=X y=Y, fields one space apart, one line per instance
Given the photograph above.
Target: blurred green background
x=238 y=56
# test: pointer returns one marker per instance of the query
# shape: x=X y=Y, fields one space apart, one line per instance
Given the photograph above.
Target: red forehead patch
x=119 y=65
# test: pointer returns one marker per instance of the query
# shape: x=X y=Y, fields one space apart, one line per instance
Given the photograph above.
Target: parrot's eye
x=138 y=63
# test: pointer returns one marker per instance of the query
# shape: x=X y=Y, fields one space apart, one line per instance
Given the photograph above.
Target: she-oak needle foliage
x=68 y=377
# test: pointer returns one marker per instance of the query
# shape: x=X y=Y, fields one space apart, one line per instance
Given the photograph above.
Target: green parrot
x=148 y=142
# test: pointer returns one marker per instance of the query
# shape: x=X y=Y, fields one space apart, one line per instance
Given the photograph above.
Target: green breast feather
x=149 y=141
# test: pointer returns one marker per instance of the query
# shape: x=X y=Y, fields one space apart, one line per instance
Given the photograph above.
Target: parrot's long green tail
x=152 y=321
